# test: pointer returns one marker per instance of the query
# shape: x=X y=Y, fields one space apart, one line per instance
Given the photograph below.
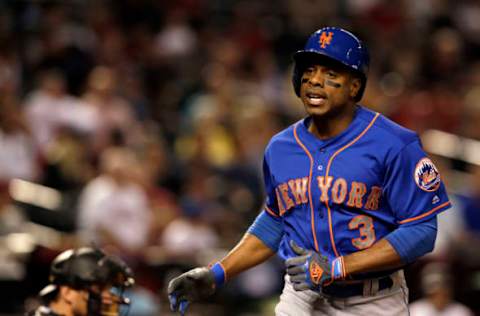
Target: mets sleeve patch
x=427 y=175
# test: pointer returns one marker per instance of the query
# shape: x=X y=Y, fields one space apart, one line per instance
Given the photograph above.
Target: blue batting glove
x=311 y=270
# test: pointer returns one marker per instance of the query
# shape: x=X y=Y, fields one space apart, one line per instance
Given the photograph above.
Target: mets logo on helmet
x=325 y=39
x=427 y=175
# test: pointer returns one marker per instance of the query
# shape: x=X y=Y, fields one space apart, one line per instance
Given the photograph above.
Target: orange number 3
x=364 y=224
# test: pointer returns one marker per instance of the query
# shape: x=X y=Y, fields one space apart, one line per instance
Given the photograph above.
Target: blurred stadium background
x=140 y=126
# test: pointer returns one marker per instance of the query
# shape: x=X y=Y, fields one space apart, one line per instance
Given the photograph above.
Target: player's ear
x=68 y=294
x=355 y=85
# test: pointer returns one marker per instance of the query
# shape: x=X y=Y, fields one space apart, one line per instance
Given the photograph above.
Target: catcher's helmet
x=83 y=267
x=336 y=44
x=80 y=268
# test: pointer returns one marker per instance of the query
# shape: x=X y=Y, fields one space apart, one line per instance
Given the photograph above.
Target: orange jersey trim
x=433 y=210
x=269 y=211
x=309 y=187
x=332 y=239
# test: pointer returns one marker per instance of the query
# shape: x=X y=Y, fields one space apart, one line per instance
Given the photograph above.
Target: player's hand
x=311 y=270
x=192 y=286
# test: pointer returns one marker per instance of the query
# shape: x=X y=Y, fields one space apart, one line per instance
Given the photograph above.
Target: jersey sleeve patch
x=427 y=176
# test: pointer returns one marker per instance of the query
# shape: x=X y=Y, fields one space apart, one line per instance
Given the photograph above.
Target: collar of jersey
x=314 y=143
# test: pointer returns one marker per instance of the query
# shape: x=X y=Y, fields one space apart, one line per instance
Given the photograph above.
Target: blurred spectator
x=60 y=42
x=254 y=124
x=207 y=118
x=68 y=161
x=50 y=108
x=112 y=112
x=444 y=57
x=437 y=287
x=189 y=235
x=466 y=15
x=19 y=156
x=176 y=39
x=154 y=174
x=471 y=212
x=14 y=243
x=436 y=107
x=10 y=75
x=113 y=208
x=471 y=100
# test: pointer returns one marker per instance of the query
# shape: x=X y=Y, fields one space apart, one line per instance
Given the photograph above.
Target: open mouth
x=316 y=98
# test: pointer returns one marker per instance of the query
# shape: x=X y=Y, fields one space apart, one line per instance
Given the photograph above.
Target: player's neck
x=325 y=127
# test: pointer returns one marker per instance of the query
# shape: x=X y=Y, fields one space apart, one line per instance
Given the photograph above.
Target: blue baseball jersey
x=343 y=194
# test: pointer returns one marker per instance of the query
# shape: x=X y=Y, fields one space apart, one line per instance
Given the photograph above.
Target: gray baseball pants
x=392 y=301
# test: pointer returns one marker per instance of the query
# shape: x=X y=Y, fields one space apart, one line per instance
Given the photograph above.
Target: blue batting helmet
x=339 y=45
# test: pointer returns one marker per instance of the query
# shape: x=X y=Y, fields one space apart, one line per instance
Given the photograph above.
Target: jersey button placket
x=322 y=226
x=320 y=172
x=321 y=168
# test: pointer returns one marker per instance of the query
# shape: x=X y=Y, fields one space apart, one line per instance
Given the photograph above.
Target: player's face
x=108 y=303
x=328 y=88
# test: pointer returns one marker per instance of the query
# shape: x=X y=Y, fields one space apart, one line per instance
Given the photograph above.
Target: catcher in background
x=83 y=282
x=351 y=197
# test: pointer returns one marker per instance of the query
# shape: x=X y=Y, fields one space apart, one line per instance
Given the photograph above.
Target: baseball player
x=85 y=281
x=351 y=197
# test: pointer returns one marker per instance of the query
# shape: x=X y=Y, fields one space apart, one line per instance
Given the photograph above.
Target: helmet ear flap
x=296 y=79
x=299 y=67
x=360 y=92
